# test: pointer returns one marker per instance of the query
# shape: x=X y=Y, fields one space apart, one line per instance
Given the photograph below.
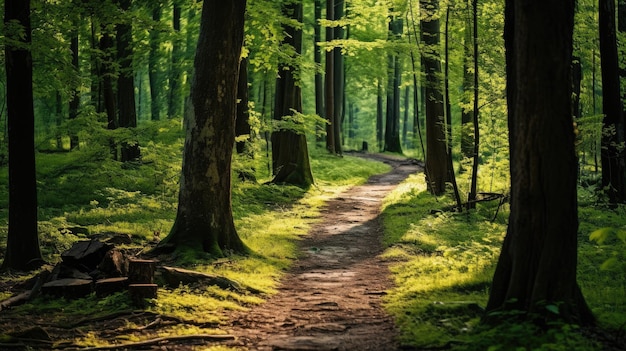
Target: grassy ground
x=442 y=262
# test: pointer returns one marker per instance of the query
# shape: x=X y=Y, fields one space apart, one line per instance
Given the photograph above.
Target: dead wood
x=174 y=277
x=175 y=338
x=25 y=296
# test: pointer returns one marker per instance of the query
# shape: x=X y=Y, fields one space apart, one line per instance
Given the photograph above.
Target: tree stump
x=106 y=287
x=139 y=292
x=141 y=271
x=69 y=288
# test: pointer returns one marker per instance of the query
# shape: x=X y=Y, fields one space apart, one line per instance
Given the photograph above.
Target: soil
x=331 y=298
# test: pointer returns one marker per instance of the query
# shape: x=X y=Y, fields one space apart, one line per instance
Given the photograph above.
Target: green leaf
x=553 y=308
x=600 y=235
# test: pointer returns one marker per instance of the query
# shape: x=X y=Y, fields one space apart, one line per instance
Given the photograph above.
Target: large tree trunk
x=126 y=85
x=290 y=155
x=536 y=271
x=436 y=151
x=204 y=220
x=22 y=250
x=612 y=157
x=392 y=125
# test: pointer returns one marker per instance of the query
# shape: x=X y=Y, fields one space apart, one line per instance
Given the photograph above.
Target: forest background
x=105 y=166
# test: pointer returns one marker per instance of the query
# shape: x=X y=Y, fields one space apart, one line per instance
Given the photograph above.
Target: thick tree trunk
x=436 y=152
x=290 y=155
x=126 y=85
x=22 y=250
x=204 y=220
x=536 y=271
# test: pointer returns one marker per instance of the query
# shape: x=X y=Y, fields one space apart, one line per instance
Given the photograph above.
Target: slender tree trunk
x=242 y=121
x=380 y=116
x=405 y=122
x=436 y=150
x=471 y=197
x=204 y=220
x=290 y=155
x=154 y=67
x=467 y=116
x=126 y=85
x=75 y=97
x=612 y=157
x=175 y=104
x=392 y=125
x=317 y=57
x=536 y=272
x=338 y=79
x=22 y=250
x=330 y=82
x=108 y=93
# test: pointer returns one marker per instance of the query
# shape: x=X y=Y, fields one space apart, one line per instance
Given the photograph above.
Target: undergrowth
x=443 y=263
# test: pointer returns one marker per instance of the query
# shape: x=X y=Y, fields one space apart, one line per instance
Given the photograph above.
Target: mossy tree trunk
x=204 y=220
x=536 y=272
x=290 y=155
x=22 y=250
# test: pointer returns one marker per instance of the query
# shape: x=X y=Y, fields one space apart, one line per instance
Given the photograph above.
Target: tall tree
x=436 y=150
x=154 y=66
x=290 y=155
x=126 y=83
x=329 y=92
x=467 y=115
x=612 y=154
x=174 y=107
x=317 y=58
x=392 y=118
x=338 y=77
x=74 y=102
x=536 y=271
x=242 y=121
x=22 y=252
x=204 y=219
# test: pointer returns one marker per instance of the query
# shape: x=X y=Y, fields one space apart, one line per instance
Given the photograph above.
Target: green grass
x=443 y=263
x=83 y=189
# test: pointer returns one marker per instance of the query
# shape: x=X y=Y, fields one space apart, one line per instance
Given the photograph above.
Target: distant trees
x=204 y=220
x=22 y=250
x=536 y=272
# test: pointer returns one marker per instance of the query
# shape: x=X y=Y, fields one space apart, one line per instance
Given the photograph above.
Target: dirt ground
x=331 y=298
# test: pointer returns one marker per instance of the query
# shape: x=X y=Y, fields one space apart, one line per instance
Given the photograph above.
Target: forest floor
x=331 y=297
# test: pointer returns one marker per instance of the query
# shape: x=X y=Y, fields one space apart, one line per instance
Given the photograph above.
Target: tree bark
x=436 y=165
x=290 y=155
x=126 y=85
x=204 y=220
x=74 y=103
x=22 y=250
x=536 y=271
x=392 y=125
x=467 y=116
x=329 y=93
x=338 y=79
x=174 y=107
x=317 y=58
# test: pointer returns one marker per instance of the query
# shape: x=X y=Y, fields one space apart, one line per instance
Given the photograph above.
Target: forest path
x=331 y=297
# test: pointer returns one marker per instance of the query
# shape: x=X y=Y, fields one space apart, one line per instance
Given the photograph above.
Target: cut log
x=106 y=287
x=141 y=271
x=86 y=255
x=114 y=264
x=68 y=288
x=139 y=292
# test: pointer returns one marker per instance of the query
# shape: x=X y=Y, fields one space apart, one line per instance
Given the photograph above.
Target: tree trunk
x=436 y=152
x=467 y=116
x=317 y=57
x=154 y=67
x=174 y=107
x=74 y=103
x=242 y=122
x=379 y=116
x=471 y=197
x=330 y=79
x=338 y=79
x=392 y=125
x=204 y=220
x=108 y=94
x=290 y=155
x=612 y=158
x=22 y=250
x=536 y=272
x=126 y=85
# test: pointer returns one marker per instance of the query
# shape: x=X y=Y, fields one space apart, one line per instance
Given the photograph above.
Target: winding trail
x=331 y=297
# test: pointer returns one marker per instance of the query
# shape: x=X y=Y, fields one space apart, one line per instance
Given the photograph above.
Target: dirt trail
x=331 y=298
